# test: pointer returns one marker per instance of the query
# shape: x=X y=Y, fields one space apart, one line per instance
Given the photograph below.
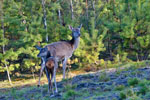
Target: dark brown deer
x=61 y=50
x=50 y=72
x=49 y=69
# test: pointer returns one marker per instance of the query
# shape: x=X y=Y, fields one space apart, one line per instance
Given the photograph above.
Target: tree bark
x=87 y=9
x=71 y=6
x=3 y=47
x=114 y=7
x=59 y=15
x=93 y=5
x=44 y=18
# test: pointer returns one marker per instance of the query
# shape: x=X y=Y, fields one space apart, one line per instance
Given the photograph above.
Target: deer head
x=43 y=51
x=75 y=31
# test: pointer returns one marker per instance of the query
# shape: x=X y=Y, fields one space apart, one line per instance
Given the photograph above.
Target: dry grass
x=22 y=82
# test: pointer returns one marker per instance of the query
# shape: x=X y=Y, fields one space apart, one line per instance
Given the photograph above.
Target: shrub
x=70 y=95
x=133 y=81
x=104 y=77
x=122 y=95
x=119 y=87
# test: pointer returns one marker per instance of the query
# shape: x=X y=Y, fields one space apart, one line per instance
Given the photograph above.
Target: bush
x=70 y=95
x=119 y=87
x=122 y=95
x=133 y=81
x=104 y=77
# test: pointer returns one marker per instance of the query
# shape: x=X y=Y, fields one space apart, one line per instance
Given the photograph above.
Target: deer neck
x=75 y=42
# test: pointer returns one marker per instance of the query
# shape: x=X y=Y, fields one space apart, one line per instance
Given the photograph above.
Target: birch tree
x=44 y=18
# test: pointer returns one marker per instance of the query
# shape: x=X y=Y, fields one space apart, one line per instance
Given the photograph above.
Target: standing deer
x=49 y=72
x=49 y=69
x=61 y=50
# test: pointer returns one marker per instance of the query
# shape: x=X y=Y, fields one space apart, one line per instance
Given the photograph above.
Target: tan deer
x=61 y=50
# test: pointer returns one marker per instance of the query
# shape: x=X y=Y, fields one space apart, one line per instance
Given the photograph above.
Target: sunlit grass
x=22 y=82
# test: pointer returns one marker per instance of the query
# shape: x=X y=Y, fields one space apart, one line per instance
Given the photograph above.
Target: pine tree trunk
x=3 y=47
x=44 y=18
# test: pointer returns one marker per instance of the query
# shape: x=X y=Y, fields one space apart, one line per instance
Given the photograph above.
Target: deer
x=49 y=72
x=49 y=69
x=60 y=51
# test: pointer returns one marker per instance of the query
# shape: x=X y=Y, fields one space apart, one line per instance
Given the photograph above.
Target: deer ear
x=80 y=26
x=70 y=27
x=39 y=48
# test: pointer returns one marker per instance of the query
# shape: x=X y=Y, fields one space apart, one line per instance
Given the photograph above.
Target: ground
x=113 y=84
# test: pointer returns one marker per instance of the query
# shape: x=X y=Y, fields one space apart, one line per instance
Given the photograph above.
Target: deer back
x=60 y=49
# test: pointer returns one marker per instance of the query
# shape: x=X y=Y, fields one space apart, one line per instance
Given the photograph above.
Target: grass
x=71 y=94
x=136 y=89
x=23 y=82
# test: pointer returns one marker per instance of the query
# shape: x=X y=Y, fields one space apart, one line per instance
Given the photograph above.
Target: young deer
x=49 y=69
x=49 y=73
x=61 y=50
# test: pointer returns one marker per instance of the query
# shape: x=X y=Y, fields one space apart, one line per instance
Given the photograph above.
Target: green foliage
x=120 y=87
x=70 y=95
x=104 y=77
x=122 y=95
x=143 y=87
x=133 y=81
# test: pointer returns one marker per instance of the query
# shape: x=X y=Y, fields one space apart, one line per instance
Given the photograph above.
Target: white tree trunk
x=71 y=6
x=44 y=18
x=59 y=14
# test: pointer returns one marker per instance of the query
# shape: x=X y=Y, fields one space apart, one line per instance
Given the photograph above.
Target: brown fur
x=60 y=49
x=50 y=69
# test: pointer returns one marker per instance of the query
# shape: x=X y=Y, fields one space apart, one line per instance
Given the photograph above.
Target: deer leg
x=41 y=70
x=55 y=69
x=48 y=78
x=51 y=84
x=64 y=67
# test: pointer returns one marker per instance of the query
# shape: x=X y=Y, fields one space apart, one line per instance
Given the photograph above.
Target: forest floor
x=130 y=83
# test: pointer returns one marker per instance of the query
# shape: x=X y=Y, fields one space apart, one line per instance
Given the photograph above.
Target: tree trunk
x=44 y=18
x=71 y=6
x=87 y=9
x=59 y=14
x=87 y=20
x=32 y=70
x=114 y=7
x=3 y=47
x=8 y=73
x=93 y=5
